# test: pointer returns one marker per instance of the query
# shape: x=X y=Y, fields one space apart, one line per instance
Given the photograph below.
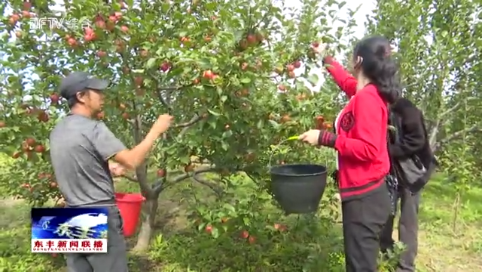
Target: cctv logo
x=54 y=23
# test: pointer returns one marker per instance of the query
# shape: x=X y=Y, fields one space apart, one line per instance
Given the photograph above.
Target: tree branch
x=181 y=177
x=455 y=135
x=163 y=101
x=215 y=188
x=196 y=118
x=449 y=111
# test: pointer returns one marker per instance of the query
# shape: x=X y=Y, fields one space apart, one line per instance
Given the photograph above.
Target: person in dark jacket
x=360 y=140
x=413 y=141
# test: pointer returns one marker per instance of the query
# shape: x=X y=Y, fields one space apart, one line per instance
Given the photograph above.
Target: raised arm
x=342 y=78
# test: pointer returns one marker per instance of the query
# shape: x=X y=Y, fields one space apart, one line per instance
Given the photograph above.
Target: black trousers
x=363 y=220
x=407 y=230
x=115 y=260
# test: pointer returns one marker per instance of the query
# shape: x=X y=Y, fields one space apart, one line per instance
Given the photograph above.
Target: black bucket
x=298 y=188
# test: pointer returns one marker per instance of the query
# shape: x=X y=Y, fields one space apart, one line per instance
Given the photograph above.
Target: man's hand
x=162 y=124
x=116 y=169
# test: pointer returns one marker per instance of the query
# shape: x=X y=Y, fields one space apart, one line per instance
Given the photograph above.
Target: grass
x=446 y=243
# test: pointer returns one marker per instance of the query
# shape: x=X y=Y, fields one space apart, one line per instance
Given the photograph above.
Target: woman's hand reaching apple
x=319 y=48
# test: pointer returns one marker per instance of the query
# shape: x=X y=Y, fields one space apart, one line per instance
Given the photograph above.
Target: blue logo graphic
x=69 y=223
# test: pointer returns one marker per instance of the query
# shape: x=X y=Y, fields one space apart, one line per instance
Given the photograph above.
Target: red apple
x=88 y=30
x=54 y=98
x=125 y=115
x=315 y=44
x=244 y=234
x=208 y=74
x=119 y=45
x=290 y=67
x=89 y=37
x=124 y=29
x=72 y=42
x=2 y=124
x=161 y=173
x=30 y=141
x=189 y=168
x=14 y=19
x=39 y=149
x=291 y=74
x=100 y=22
x=251 y=39
x=27 y=5
x=251 y=240
x=138 y=80
x=113 y=19
x=101 y=54
x=244 y=66
x=297 y=64
x=16 y=155
x=165 y=66
x=118 y=15
x=282 y=88
x=26 y=14
x=209 y=229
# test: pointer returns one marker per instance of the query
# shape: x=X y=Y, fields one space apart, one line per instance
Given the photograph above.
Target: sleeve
x=105 y=142
x=367 y=130
x=342 y=78
x=413 y=134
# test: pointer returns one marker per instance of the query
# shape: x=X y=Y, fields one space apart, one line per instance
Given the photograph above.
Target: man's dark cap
x=80 y=81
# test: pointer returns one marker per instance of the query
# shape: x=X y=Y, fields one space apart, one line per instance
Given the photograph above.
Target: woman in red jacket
x=360 y=140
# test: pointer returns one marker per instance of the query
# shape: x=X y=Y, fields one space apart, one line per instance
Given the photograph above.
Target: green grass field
x=448 y=242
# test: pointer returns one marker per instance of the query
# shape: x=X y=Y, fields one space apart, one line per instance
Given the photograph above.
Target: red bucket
x=130 y=209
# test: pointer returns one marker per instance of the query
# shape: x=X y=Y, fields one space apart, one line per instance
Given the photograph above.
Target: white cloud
x=88 y=220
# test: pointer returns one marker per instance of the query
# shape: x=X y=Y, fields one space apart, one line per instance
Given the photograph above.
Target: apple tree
x=237 y=76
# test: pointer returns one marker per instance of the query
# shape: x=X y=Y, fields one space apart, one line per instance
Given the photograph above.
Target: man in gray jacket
x=80 y=149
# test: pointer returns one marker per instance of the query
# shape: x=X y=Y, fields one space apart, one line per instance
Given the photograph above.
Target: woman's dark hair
x=378 y=66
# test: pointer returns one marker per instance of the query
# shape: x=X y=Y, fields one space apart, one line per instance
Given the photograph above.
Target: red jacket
x=361 y=136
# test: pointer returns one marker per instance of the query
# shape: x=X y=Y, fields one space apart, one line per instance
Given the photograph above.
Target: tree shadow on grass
x=315 y=247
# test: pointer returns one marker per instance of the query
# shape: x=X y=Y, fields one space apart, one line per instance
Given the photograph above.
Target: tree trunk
x=148 y=222
x=149 y=209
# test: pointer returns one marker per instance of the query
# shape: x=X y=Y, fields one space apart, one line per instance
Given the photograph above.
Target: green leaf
x=246 y=80
x=214 y=113
x=151 y=63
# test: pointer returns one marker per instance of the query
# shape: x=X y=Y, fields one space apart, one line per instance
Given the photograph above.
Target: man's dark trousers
x=363 y=220
x=115 y=260
x=407 y=230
